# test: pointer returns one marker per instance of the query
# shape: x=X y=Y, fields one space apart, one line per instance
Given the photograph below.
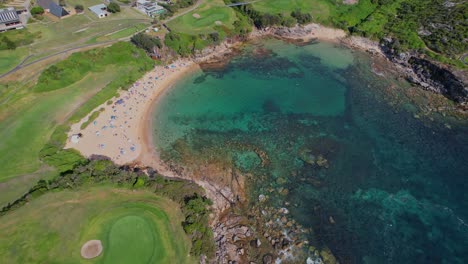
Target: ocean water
x=374 y=181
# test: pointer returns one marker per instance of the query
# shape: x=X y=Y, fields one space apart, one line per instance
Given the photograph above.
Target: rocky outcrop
x=430 y=75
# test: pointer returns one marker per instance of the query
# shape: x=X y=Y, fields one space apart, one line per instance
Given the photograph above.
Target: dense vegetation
x=436 y=28
x=194 y=205
x=113 y=7
x=146 y=42
x=438 y=25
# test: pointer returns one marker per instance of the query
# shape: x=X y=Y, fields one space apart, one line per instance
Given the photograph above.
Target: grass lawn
x=11 y=58
x=134 y=227
x=320 y=9
x=122 y=33
x=55 y=36
x=26 y=129
x=210 y=12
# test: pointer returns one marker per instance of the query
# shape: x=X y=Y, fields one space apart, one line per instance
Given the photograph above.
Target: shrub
x=79 y=8
x=7 y=43
x=302 y=18
x=37 y=10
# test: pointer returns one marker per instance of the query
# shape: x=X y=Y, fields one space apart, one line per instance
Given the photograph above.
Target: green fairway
x=209 y=13
x=133 y=226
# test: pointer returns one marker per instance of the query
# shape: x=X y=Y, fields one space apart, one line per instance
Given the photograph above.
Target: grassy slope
x=52 y=228
x=27 y=129
x=210 y=12
x=320 y=9
x=28 y=118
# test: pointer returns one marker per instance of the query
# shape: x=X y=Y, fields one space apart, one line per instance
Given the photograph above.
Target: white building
x=149 y=8
x=9 y=19
x=99 y=10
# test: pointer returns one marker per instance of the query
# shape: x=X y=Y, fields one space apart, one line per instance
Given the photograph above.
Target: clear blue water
x=394 y=185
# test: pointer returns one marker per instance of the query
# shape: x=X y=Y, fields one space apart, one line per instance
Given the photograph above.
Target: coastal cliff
x=428 y=74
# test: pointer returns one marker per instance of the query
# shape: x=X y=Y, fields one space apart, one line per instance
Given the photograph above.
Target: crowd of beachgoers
x=114 y=133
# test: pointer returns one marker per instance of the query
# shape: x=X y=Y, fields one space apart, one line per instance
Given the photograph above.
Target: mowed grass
x=134 y=227
x=58 y=35
x=210 y=12
x=122 y=33
x=9 y=59
x=319 y=9
x=28 y=118
x=29 y=124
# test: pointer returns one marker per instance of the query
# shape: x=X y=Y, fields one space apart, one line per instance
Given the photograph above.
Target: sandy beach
x=121 y=131
x=117 y=131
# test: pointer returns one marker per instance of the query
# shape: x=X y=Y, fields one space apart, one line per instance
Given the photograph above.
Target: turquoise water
x=338 y=140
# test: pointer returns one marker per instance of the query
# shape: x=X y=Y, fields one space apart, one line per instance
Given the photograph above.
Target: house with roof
x=52 y=8
x=149 y=8
x=9 y=19
x=99 y=10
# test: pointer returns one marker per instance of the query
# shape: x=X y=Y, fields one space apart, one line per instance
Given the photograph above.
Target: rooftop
x=8 y=15
x=98 y=9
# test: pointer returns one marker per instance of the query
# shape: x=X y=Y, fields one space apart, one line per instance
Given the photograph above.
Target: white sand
x=116 y=133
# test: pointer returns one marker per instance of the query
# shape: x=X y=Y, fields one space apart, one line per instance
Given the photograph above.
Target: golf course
x=205 y=18
x=133 y=227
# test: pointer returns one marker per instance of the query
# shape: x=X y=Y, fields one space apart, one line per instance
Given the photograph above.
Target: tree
x=302 y=18
x=79 y=8
x=37 y=10
x=113 y=7
x=146 y=42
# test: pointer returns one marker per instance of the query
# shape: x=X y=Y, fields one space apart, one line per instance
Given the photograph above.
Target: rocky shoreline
x=416 y=68
x=265 y=233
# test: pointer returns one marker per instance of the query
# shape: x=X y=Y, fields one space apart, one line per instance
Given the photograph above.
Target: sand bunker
x=218 y=23
x=91 y=249
x=197 y=16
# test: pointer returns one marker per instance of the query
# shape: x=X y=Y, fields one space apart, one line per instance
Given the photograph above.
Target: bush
x=7 y=43
x=37 y=10
x=113 y=7
x=214 y=37
x=302 y=18
x=79 y=8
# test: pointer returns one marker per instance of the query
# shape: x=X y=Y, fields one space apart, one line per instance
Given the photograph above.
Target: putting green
x=210 y=12
x=133 y=227
x=129 y=237
x=131 y=233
